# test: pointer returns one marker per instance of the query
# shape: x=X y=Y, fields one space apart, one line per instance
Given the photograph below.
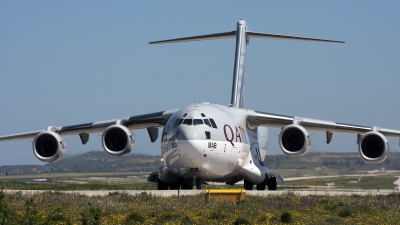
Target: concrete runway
x=250 y=193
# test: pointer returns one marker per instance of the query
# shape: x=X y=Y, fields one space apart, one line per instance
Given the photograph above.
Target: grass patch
x=39 y=208
x=366 y=182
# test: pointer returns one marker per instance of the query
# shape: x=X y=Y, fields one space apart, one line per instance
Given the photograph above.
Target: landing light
x=162 y=160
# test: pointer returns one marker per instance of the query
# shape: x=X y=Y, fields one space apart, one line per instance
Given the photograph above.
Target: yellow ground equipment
x=230 y=195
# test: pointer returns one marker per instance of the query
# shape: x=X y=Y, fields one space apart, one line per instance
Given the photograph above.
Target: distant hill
x=95 y=161
x=321 y=161
x=99 y=161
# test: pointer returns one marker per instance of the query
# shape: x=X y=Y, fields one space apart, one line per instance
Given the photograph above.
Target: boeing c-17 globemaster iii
x=209 y=142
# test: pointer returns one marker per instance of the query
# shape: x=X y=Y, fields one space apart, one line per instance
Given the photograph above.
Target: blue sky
x=71 y=62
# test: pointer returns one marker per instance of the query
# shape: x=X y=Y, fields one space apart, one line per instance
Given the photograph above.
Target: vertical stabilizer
x=242 y=39
x=238 y=70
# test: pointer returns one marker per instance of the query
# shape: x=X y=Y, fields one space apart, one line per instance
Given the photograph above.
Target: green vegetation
x=99 y=161
x=138 y=181
x=69 y=187
x=364 y=182
x=120 y=208
x=78 y=181
x=90 y=162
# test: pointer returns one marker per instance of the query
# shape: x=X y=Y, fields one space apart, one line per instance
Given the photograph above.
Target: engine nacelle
x=294 y=140
x=118 y=140
x=49 y=146
x=373 y=147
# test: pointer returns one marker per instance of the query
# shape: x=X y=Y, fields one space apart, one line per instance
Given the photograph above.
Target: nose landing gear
x=194 y=180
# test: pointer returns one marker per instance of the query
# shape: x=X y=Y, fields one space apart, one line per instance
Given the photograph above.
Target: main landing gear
x=175 y=182
x=270 y=182
x=185 y=184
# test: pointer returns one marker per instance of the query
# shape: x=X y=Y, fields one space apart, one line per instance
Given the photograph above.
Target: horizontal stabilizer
x=231 y=34
x=286 y=37
x=242 y=36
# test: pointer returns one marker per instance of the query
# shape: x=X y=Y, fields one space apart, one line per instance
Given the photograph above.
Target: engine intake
x=373 y=147
x=118 y=140
x=294 y=140
x=49 y=146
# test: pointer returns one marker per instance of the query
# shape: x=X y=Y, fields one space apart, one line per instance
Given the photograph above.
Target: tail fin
x=242 y=39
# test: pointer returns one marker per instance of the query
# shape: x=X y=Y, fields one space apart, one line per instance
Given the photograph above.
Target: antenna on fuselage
x=242 y=39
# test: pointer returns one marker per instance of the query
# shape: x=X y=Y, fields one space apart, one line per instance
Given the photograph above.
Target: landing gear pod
x=49 y=146
x=294 y=140
x=118 y=140
x=373 y=147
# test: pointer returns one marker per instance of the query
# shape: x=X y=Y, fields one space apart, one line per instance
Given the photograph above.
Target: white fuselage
x=208 y=141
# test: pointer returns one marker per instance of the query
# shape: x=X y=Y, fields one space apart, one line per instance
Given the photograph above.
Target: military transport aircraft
x=209 y=142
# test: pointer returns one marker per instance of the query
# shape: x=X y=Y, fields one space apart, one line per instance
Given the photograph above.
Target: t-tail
x=242 y=39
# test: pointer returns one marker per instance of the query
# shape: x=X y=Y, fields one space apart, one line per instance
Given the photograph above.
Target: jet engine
x=294 y=140
x=118 y=140
x=49 y=146
x=373 y=147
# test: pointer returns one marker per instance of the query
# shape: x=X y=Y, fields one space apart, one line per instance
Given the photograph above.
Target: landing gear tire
x=183 y=184
x=261 y=187
x=272 y=185
x=189 y=183
x=174 y=186
x=199 y=183
x=161 y=185
x=248 y=185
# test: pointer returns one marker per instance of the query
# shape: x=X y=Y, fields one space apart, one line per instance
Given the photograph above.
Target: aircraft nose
x=190 y=133
x=189 y=150
x=189 y=142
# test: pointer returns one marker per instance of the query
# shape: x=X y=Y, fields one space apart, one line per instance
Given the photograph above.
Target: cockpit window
x=207 y=122
x=187 y=122
x=213 y=123
x=177 y=122
x=197 y=121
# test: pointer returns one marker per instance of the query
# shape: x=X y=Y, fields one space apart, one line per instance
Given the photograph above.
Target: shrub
x=31 y=212
x=134 y=217
x=91 y=217
x=6 y=214
x=346 y=212
x=186 y=220
x=57 y=219
x=241 y=220
x=218 y=215
x=167 y=216
x=286 y=217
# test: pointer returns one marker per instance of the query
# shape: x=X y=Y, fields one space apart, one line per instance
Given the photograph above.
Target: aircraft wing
x=257 y=118
x=151 y=120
